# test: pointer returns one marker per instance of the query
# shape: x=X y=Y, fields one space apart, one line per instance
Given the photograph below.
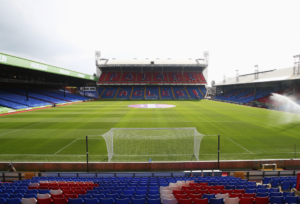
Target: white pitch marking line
x=20 y=129
x=66 y=146
x=240 y=145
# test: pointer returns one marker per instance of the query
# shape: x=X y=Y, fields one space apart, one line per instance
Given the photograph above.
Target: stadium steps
x=117 y=92
x=200 y=91
x=159 y=92
x=49 y=95
x=131 y=92
x=173 y=92
x=187 y=92
x=102 y=93
x=31 y=97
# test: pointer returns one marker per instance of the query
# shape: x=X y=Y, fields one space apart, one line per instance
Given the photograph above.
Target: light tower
x=237 y=75
x=224 y=79
x=256 y=72
x=296 y=65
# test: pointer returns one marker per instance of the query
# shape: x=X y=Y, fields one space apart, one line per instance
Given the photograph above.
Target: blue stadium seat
x=262 y=190
x=131 y=192
x=4 y=195
x=17 y=195
x=2 y=200
x=112 y=195
x=153 y=201
x=13 y=201
x=153 y=196
x=76 y=201
x=273 y=190
x=291 y=199
x=275 y=194
x=30 y=195
x=32 y=191
x=276 y=199
x=98 y=196
x=208 y=196
x=138 y=201
x=85 y=196
x=105 y=201
x=284 y=194
x=91 y=201
x=216 y=201
x=262 y=194
x=250 y=191
x=128 y=196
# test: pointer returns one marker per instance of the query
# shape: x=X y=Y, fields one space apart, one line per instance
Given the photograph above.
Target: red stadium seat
x=188 y=192
x=242 y=191
x=198 y=187
x=65 y=188
x=262 y=200
x=249 y=195
x=204 y=191
x=76 y=188
x=193 y=184
x=224 y=191
x=43 y=188
x=67 y=196
x=248 y=200
x=219 y=187
x=57 y=196
x=200 y=201
x=44 y=201
x=235 y=195
x=185 y=201
x=178 y=196
x=60 y=201
x=213 y=191
x=178 y=192
x=80 y=192
x=208 y=187
x=87 y=187
x=203 y=184
x=193 y=196
x=186 y=187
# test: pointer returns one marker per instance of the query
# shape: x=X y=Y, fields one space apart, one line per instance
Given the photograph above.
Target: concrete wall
x=157 y=166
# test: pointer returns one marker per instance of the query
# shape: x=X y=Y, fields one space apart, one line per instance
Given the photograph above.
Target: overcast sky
x=238 y=34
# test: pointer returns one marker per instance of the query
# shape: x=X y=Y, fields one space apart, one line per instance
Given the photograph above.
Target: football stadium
x=149 y=102
x=146 y=131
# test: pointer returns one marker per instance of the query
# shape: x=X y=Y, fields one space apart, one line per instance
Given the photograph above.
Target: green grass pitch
x=58 y=134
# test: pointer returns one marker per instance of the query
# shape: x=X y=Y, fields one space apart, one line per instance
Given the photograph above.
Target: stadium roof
x=29 y=64
x=151 y=62
x=265 y=76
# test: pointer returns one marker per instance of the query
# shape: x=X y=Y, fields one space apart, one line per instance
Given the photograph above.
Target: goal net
x=163 y=144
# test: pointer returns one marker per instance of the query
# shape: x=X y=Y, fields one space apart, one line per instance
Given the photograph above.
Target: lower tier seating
x=152 y=92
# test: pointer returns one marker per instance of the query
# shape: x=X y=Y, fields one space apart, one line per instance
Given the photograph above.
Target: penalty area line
x=239 y=145
x=66 y=146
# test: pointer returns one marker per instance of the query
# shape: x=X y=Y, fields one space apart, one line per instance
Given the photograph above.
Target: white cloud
x=238 y=34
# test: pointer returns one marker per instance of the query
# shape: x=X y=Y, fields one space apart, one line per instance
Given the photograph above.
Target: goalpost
x=131 y=143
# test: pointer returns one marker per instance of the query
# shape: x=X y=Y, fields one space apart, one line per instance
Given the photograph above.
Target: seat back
x=231 y=200
x=262 y=200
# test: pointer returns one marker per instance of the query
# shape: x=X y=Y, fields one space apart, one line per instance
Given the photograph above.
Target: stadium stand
x=142 y=190
x=152 y=77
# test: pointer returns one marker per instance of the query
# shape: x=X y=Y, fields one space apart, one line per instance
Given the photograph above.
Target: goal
x=140 y=144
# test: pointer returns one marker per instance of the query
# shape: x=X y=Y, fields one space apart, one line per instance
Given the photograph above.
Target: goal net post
x=141 y=144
